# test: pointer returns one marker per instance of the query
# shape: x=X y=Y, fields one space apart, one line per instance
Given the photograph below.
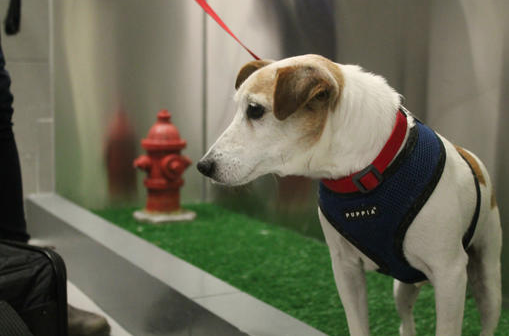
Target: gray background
x=75 y=63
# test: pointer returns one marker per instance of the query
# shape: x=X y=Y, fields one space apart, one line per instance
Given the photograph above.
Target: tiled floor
x=80 y=300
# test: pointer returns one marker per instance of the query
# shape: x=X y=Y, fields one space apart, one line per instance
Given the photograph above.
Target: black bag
x=33 y=283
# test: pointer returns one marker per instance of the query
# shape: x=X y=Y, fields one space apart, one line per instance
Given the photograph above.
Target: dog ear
x=297 y=86
x=248 y=69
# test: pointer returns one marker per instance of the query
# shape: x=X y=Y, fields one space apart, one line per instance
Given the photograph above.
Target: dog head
x=282 y=109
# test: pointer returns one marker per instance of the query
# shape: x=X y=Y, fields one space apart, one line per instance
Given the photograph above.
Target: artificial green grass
x=281 y=267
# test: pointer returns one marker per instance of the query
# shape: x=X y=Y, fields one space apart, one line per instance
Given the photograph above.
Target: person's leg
x=12 y=220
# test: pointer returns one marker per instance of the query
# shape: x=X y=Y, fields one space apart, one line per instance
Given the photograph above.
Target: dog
x=309 y=116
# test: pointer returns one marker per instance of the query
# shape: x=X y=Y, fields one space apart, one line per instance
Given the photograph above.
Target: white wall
x=465 y=73
x=131 y=55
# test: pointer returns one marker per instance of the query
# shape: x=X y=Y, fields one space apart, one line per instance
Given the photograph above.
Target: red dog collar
x=370 y=177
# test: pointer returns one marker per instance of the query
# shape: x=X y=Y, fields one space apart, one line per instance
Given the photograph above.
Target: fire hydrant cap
x=163 y=135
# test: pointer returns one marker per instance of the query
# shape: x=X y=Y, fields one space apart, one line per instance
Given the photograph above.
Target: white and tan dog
x=309 y=116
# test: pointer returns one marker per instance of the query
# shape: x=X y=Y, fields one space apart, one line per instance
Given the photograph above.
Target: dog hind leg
x=484 y=274
x=405 y=296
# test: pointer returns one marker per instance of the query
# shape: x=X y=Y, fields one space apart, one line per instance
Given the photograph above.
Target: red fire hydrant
x=164 y=165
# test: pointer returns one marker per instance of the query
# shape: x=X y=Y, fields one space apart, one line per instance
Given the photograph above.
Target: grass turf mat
x=281 y=267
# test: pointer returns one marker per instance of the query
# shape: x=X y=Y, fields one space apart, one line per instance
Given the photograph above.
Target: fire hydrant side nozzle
x=164 y=166
x=143 y=162
x=174 y=165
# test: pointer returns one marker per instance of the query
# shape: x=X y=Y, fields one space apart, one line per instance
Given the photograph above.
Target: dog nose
x=206 y=167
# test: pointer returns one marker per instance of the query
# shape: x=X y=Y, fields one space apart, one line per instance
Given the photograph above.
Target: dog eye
x=255 y=111
x=322 y=95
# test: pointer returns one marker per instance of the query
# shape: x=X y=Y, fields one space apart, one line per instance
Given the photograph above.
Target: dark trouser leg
x=12 y=216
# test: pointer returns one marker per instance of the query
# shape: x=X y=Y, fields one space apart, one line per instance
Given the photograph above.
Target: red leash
x=210 y=11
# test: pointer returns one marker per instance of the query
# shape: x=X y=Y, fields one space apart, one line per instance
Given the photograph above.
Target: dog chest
x=376 y=222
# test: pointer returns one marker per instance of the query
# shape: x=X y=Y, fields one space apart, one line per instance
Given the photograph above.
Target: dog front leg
x=450 y=286
x=351 y=284
x=405 y=296
x=350 y=279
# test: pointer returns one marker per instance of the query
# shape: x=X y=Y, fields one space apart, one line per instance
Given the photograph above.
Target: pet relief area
x=282 y=268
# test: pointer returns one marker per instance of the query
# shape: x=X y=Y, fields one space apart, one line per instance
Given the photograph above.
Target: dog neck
x=358 y=129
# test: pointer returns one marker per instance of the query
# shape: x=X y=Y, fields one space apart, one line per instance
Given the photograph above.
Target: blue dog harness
x=376 y=221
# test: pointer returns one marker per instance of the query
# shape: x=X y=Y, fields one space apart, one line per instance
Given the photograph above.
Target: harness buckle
x=356 y=179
